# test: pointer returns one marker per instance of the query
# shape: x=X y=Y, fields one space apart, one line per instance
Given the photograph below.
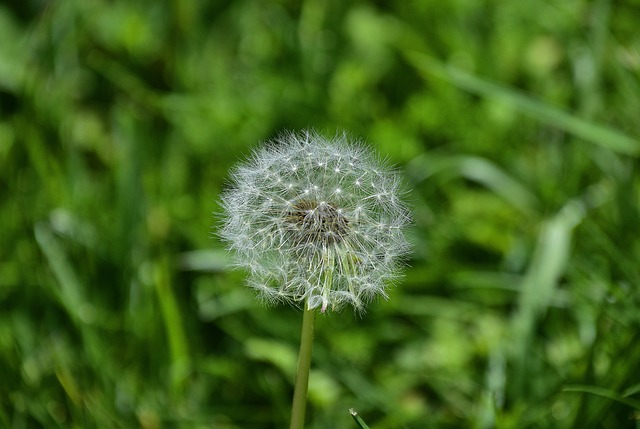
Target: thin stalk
x=299 y=405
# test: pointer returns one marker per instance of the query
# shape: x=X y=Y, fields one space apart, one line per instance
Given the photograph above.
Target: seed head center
x=320 y=223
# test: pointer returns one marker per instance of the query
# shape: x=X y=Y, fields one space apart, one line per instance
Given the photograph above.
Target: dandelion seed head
x=317 y=221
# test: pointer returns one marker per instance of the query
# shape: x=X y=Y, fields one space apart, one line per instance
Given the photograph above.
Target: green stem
x=302 y=377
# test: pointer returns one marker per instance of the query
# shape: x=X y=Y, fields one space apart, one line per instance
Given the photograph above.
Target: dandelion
x=316 y=221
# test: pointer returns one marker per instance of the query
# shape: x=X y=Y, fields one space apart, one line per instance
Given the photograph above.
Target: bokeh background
x=516 y=124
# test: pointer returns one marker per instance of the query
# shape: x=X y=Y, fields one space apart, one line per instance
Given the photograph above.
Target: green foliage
x=516 y=123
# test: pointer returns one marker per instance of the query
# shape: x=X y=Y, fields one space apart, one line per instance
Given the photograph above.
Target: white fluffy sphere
x=317 y=221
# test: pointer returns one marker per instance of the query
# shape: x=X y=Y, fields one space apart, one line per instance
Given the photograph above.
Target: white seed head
x=316 y=220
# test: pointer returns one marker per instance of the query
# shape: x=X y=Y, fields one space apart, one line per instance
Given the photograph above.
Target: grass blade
x=605 y=393
x=598 y=134
x=361 y=424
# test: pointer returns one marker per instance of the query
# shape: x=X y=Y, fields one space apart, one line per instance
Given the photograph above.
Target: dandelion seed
x=316 y=235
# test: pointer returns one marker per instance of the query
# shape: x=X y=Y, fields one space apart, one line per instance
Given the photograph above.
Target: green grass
x=516 y=124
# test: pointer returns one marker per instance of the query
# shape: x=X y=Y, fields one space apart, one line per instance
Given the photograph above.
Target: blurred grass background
x=516 y=123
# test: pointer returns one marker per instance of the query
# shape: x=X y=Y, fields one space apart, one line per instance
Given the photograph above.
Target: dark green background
x=516 y=123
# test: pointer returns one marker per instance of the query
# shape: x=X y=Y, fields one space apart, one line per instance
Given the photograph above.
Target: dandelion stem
x=298 y=407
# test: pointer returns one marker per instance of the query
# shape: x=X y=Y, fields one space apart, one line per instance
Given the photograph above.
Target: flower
x=317 y=221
